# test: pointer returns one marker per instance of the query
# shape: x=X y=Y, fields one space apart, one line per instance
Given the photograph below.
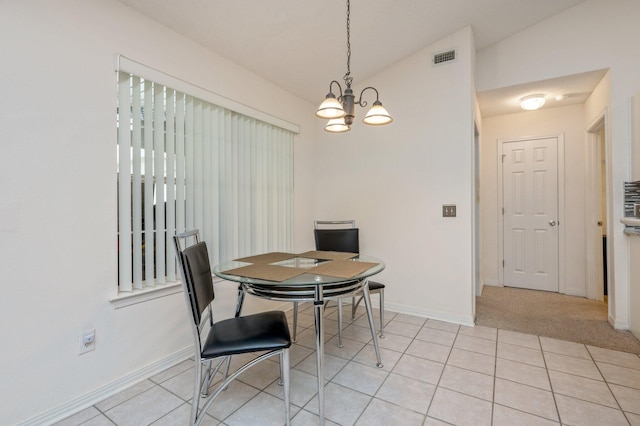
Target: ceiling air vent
x=448 y=56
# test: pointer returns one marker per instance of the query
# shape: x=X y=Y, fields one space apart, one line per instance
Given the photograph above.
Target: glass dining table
x=314 y=276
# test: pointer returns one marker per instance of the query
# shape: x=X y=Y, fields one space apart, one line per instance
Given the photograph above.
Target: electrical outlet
x=87 y=341
x=448 y=210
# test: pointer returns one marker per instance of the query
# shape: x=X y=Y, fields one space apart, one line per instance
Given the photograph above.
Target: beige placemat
x=275 y=256
x=263 y=271
x=342 y=268
x=327 y=255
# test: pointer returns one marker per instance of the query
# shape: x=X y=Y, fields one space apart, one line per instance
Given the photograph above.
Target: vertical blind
x=185 y=163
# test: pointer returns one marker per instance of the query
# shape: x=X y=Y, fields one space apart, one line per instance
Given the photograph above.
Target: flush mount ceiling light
x=340 y=111
x=532 y=102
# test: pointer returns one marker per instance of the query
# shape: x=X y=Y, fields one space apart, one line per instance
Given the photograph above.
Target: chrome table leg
x=367 y=303
x=318 y=313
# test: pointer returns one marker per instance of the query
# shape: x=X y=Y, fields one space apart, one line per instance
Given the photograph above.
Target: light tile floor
x=434 y=373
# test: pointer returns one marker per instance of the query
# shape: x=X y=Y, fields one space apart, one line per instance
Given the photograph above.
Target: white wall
x=595 y=34
x=393 y=181
x=58 y=204
x=568 y=121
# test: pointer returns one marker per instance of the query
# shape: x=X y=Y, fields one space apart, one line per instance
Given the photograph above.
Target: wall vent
x=448 y=56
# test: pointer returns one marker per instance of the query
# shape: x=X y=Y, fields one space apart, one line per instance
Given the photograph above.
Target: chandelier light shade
x=337 y=125
x=340 y=111
x=330 y=108
x=532 y=102
x=377 y=115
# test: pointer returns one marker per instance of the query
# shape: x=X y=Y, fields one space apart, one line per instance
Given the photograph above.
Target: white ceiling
x=300 y=45
x=562 y=91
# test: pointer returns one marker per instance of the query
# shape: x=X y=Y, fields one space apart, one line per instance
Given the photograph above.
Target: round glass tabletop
x=231 y=271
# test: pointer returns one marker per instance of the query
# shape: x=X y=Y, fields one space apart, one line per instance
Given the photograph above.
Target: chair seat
x=264 y=331
x=374 y=285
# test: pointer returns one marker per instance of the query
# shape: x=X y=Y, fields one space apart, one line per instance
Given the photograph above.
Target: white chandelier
x=340 y=111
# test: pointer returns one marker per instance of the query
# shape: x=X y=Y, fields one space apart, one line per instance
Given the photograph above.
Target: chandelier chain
x=347 y=77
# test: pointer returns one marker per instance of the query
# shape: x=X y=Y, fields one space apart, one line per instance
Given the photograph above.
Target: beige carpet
x=542 y=313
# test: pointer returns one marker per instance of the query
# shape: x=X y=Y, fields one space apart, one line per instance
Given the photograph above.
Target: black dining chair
x=332 y=235
x=266 y=332
x=342 y=236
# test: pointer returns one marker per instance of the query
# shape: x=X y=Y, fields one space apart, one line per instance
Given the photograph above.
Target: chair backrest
x=196 y=274
x=196 y=259
x=337 y=237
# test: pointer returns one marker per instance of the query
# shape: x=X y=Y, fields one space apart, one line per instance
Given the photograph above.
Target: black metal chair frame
x=374 y=286
x=222 y=339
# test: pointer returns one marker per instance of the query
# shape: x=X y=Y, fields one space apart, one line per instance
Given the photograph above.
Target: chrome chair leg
x=340 y=344
x=353 y=307
x=295 y=321
x=206 y=380
x=226 y=368
x=284 y=377
x=367 y=303
x=197 y=389
x=382 y=313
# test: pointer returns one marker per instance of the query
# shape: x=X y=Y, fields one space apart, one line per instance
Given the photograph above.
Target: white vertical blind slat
x=215 y=182
x=159 y=175
x=136 y=179
x=244 y=185
x=189 y=175
x=256 y=196
x=148 y=183
x=124 y=184
x=198 y=169
x=206 y=173
x=170 y=173
x=288 y=136
x=181 y=224
x=228 y=207
x=271 y=194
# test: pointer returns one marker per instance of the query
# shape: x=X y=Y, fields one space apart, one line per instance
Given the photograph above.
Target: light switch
x=449 y=210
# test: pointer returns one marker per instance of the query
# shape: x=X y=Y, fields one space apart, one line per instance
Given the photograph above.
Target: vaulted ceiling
x=300 y=45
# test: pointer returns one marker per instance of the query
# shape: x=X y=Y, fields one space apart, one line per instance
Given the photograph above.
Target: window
x=185 y=162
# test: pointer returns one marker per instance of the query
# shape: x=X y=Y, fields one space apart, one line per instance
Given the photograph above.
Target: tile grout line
x=457 y=333
x=553 y=393
x=608 y=385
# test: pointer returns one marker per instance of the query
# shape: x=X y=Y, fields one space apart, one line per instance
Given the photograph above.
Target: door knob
x=552 y=222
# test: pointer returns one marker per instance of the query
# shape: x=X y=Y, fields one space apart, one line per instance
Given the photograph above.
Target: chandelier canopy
x=340 y=111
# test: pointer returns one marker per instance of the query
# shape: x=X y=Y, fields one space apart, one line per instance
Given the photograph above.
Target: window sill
x=125 y=299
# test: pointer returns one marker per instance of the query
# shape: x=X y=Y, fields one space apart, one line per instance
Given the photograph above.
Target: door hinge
x=503 y=263
x=503 y=155
x=503 y=211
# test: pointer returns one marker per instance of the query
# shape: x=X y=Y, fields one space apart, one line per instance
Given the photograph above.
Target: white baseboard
x=431 y=314
x=85 y=401
x=409 y=310
x=618 y=325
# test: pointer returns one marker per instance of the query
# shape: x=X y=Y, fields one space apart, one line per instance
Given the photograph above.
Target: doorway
x=596 y=211
x=531 y=202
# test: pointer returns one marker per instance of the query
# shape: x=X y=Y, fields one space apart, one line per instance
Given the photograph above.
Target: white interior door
x=530 y=201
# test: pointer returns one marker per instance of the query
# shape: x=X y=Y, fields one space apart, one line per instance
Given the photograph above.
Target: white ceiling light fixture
x=532 y=102
x=340 y=111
